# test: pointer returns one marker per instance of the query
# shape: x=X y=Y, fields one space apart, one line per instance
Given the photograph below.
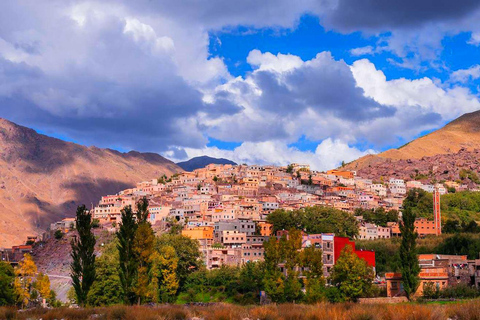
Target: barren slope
x=43 y=179
x=463 y=132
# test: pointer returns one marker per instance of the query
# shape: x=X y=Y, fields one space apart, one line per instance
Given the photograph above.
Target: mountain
x=461 y=133
x=200 y=162
x=43 y=179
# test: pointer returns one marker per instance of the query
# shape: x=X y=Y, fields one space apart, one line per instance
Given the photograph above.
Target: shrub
x=58 y=234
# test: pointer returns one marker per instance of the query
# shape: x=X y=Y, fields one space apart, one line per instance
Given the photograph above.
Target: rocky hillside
x=200 y=162
x=463 y=165
x=462 y=133
x=43 y=179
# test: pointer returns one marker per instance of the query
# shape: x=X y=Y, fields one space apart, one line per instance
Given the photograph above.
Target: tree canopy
x=315 y=220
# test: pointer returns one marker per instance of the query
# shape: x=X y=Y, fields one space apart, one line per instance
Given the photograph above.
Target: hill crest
x=43 y=179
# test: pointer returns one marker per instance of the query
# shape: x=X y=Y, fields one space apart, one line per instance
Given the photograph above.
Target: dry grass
x=345 y=311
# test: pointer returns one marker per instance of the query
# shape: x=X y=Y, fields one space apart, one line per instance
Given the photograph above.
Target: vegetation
x=315 y=220
x=7 y=278
x=351 y=276
x=460 y=206
x=408 y=250
x=378 y=216
x=467 y=310
x=289 y=169
x=58 y=234
x=29 y=287
x=459 y=291
x=128 y=264
x=107 y=288
x=83 y=255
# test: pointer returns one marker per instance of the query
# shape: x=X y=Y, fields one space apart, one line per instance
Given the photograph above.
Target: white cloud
x=404 y=93
x=278 y=63
x=465 y=75
x=328 y=154
x=474 y=39
x=362 y=51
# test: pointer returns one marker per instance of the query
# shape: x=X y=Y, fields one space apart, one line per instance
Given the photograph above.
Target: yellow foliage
x=24 y=276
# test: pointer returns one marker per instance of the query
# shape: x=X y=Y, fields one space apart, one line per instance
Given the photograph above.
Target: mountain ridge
x=202 y=161
x=43 y=179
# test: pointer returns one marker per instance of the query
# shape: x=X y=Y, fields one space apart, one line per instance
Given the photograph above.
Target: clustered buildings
x=225 y=207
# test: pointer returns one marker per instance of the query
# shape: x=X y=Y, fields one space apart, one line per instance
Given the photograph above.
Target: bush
x=334 y=295
x=58 y=234
x=95 y=223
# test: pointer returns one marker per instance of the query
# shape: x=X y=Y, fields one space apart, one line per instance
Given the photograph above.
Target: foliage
x=461 y=244
x=462 y=206
x=289 y=168
x=187 y=252
x=58 y=234
x=378 y=216
x=471 y=175
x=128 y=264
x=408 y=251
x=459 y=291
x=312 y=261
x=7 y=278
x=164 y=283
x=142 y=210
x=107 y=288
x=24 y=278
x=83 y=255
x=351 y=275
x=280 y=287
x=95 y=223
x=315 y=220
x=143 y=249
x=42 y=285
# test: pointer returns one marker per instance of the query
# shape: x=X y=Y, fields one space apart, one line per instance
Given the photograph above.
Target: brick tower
x=437 y=215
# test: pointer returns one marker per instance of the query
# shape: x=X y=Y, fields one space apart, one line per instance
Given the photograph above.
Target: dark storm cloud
x=384 y=15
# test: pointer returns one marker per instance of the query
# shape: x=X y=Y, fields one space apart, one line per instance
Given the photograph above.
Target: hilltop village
x=226 y=207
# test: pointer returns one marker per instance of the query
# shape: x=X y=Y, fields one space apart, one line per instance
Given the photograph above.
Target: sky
x=257 y=82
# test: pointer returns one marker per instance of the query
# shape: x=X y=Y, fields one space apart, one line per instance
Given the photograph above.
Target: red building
x=340 y=242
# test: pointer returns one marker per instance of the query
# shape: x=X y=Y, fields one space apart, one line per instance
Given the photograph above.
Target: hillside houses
x=225 y=207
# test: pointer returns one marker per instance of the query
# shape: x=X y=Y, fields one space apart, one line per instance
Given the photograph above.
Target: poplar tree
x=128 y=263
x=408 y=253
x=83 y=255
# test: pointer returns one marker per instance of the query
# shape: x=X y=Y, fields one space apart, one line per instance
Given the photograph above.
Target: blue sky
x=257 y=82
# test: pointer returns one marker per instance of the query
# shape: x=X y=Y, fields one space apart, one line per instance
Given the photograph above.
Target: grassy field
x=459 y=311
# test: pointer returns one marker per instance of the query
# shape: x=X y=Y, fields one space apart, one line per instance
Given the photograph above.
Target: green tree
x=251 y=282
x=58 y=234
x=128 y=264
x=315 y=220
x=451 y=226
x=143 y=248
x=312 y=261
x=7 y=278
x=142 y=210
x=187 y=251
x=408 y=251
x=83 y=255
x=274 y=279
x=107 y=288
x=351 y=275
